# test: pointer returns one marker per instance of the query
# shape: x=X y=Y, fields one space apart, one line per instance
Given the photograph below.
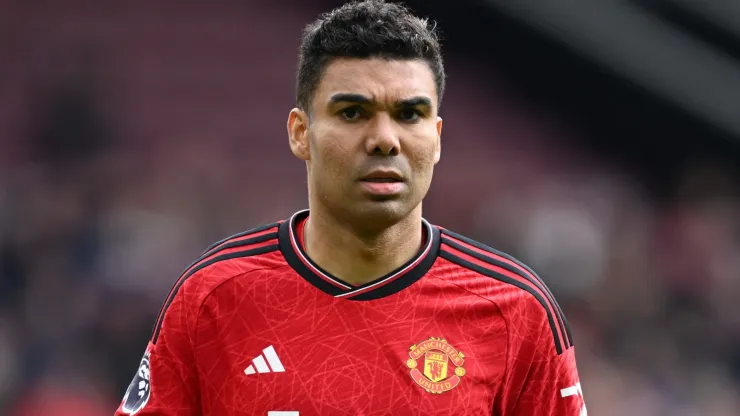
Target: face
x=371 y=140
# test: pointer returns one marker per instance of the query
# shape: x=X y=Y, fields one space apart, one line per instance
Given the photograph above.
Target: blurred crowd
x=123 y=158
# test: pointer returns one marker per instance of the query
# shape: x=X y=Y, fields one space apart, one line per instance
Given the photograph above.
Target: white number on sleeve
x=575 y=391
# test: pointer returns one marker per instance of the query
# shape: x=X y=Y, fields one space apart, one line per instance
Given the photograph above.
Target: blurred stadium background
x=598 y=140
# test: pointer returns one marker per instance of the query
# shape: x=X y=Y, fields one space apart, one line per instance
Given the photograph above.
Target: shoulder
x=233 y=256
x=230 y=257
x=522 y=296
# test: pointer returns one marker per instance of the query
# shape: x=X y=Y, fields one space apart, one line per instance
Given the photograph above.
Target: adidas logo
x=261 y=366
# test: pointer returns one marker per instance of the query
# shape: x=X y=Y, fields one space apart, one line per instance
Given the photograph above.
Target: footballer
x=358 y=305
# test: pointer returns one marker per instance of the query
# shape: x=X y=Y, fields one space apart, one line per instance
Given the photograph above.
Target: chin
x=377 y=214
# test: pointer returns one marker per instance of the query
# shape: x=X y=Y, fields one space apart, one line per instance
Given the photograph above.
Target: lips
x=381 y=180
x=383 y=184
x=382 y=176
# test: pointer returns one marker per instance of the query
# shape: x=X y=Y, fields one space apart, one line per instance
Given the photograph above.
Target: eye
x=409 y=115
x=351 y=113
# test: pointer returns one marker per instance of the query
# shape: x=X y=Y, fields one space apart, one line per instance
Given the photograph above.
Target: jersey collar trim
x=389 y=284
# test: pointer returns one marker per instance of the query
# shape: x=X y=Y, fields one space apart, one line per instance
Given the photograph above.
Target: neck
x=358 y=257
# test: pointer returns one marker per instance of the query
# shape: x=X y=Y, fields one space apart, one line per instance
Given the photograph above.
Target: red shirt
x=254 y=327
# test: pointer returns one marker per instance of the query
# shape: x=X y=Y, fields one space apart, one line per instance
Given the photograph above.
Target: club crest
x=436 y=365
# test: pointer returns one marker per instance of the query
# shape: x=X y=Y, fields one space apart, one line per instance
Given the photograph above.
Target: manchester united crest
x=435 y=365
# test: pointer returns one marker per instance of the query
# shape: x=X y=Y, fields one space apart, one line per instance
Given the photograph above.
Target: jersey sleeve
x=550 y=388
x=539 y=381
x=166 y=381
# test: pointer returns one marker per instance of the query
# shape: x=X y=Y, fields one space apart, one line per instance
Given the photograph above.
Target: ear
x=438 y=150
x=298 y=134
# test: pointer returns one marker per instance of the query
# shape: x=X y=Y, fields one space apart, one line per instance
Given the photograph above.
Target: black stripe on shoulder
x=564 y=320
x=181 y=281
x=220 y=246
x=490 y=273
x=242 y=234
x=490 y=249
x=215 y=248
x=535 y=279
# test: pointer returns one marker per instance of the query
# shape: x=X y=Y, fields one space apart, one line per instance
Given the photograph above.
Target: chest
x=408 y=354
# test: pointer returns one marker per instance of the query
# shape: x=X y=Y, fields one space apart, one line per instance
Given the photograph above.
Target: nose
x=382 y=136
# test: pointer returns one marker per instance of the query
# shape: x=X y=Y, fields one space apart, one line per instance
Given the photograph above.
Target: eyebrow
x=415 y=101
x=361 y=99
x=349 y=98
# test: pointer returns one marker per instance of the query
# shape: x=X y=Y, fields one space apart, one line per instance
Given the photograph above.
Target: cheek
x=422 y=157
x=336 y=161
x=331 y=160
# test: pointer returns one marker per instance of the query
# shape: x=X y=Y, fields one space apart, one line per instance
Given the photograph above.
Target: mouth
x=383 y=184
x=382 y=176
x=381 y=180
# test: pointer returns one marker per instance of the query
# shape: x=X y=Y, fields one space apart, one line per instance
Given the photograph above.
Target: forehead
x=377 y=78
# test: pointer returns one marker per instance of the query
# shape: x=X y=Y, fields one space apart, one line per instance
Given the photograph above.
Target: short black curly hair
x=366 y=29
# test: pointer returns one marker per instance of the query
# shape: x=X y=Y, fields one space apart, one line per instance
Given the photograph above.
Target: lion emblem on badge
x=438 y=359
x=137 y=394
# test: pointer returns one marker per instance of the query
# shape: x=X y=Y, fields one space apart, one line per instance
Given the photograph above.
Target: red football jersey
x=255 y=327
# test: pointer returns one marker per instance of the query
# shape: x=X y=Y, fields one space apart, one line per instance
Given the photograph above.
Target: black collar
x=389 y=284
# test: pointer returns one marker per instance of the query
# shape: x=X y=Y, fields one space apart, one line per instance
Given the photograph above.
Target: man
x=359 y=306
